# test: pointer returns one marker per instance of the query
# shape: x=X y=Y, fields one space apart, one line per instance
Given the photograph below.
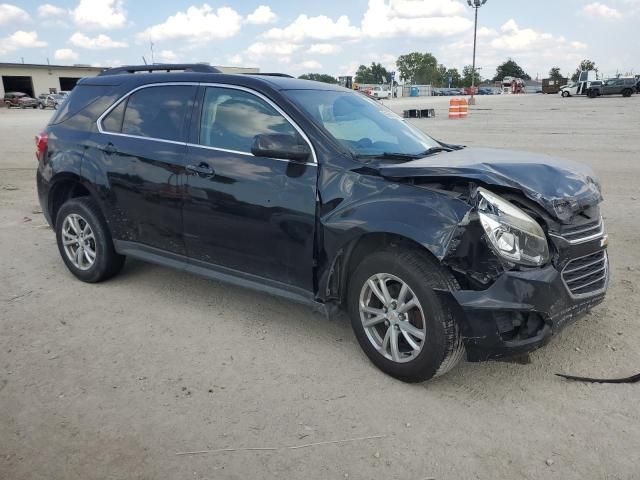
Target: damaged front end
x=520 y=287
x=528 y=264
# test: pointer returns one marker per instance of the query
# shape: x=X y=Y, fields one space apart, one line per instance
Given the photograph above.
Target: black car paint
x=289 y=228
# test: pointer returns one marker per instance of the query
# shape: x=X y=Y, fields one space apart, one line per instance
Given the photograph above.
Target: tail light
x=41 y=144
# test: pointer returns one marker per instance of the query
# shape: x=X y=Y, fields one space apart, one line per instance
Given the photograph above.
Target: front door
x=143 y=146
x=251 y=214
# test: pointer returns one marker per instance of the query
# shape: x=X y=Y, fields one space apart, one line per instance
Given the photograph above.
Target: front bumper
x=519 y=312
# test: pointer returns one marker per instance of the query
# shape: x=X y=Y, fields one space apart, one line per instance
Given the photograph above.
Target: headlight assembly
x=513 y=234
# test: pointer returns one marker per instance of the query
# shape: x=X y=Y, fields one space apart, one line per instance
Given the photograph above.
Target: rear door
x=251 y=214
x=143 y=148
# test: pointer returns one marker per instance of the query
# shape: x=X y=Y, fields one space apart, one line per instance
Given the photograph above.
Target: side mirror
x=279 y=145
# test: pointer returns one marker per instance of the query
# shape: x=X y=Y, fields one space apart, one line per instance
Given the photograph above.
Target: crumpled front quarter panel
x=354 y=204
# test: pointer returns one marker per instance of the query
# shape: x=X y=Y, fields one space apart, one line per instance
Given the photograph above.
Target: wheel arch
x=335 y=279
x=65 y=186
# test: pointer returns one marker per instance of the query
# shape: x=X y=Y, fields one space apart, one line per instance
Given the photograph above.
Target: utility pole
x=475 y=4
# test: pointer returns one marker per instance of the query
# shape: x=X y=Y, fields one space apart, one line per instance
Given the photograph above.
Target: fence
x=417 y=90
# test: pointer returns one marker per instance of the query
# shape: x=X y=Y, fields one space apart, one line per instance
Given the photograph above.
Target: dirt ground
x=113 y=380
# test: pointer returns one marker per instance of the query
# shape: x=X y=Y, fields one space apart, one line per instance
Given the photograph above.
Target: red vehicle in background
x=20 y=100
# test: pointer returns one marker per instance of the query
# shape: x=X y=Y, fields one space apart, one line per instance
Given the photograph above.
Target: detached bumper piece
x=521 y=311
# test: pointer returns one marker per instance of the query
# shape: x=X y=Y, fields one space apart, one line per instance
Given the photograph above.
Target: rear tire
x=627 y=92
x=84 y=241
x=440 y=347
x=592 y=94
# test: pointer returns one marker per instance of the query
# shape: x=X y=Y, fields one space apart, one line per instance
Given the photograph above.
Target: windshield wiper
x=406 y=156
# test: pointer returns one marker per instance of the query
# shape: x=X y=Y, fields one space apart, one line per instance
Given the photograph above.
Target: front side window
x=364 y=126
x=154 y=112
x=232 y=118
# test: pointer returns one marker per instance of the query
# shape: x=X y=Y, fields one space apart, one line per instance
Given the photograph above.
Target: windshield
x=364 y=126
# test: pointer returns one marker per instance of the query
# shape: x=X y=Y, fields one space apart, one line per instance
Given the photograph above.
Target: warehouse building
x=34 y=79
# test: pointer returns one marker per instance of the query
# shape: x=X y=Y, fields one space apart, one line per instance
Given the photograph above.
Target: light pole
x=475 y=4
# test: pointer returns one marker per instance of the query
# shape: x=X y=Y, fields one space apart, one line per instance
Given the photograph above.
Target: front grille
x=584 y=232
x=587 y=275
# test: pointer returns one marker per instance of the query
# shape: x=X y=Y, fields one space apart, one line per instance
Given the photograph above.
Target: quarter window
x=154 y=112
x=232 y=118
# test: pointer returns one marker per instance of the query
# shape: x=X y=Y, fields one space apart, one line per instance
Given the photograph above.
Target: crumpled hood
x=562 y=187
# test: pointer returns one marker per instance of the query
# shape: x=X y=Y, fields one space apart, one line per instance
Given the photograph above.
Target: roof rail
x=162 y=67
x=270 y=74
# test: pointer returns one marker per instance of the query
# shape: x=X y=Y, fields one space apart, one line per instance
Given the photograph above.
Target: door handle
x=110 y=148
x=203 y=169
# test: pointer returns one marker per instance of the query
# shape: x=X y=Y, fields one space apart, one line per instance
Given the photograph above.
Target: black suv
x=318 y=194
x=614 y=86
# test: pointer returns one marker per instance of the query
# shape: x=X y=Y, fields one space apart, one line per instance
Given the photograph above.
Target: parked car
x=50 y=100
x=323 y=196
x=380 y=93
x=613 y=86
x=485 y=91
x=19 y=100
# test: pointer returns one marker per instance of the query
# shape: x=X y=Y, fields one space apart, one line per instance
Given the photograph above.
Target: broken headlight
x=513 y=234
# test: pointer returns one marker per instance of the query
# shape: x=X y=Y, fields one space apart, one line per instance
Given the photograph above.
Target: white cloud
x=100 y=42
x=261 y=15
x=258 y=50
x=324 y=48
x=599 y=10
x=414 y=18
x=65 y=54
x=425 y=8
x=311 y=65
x=318 y=28
x=514 y=38
x=197 y=24
x=168 y=56
x=99 y=14
x=10 y=14
x=535 y=51
x=48 y=10
x=20 y=39
x=235 y=59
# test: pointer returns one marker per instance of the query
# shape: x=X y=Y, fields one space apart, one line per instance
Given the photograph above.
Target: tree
x=467 y=74
x=456 y=79
x=319 y=77
x=419 y=68
x=376 y=73
x=554 y=74
x=584 y=65
x=510 y=69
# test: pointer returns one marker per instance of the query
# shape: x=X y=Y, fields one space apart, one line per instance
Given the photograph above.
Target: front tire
x=405 y=328
x=565 y=94
x=84 y=241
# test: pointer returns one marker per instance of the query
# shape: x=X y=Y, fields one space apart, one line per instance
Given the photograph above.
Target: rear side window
x=87 y=100
x=153 y=112
x=232 y=118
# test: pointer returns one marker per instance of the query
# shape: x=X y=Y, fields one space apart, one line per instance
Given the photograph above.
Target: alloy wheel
x=392 y=317
x=78 y=241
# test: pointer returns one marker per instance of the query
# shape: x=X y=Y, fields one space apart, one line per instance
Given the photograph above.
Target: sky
x=325 y=36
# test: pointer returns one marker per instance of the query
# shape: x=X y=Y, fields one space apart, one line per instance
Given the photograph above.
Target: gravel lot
x=112 y=380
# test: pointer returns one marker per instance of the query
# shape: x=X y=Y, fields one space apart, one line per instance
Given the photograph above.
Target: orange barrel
x=464 y=108
x=454 y=108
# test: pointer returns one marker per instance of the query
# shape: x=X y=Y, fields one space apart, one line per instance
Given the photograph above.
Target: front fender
x=372 y=204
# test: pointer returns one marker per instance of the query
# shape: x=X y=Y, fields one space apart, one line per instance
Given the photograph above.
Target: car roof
x=247 y=80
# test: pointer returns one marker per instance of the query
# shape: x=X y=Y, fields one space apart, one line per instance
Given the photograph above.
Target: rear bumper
x=519 y=313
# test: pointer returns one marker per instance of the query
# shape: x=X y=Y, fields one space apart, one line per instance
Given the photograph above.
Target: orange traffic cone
x=454 y=108
x=464 y=108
